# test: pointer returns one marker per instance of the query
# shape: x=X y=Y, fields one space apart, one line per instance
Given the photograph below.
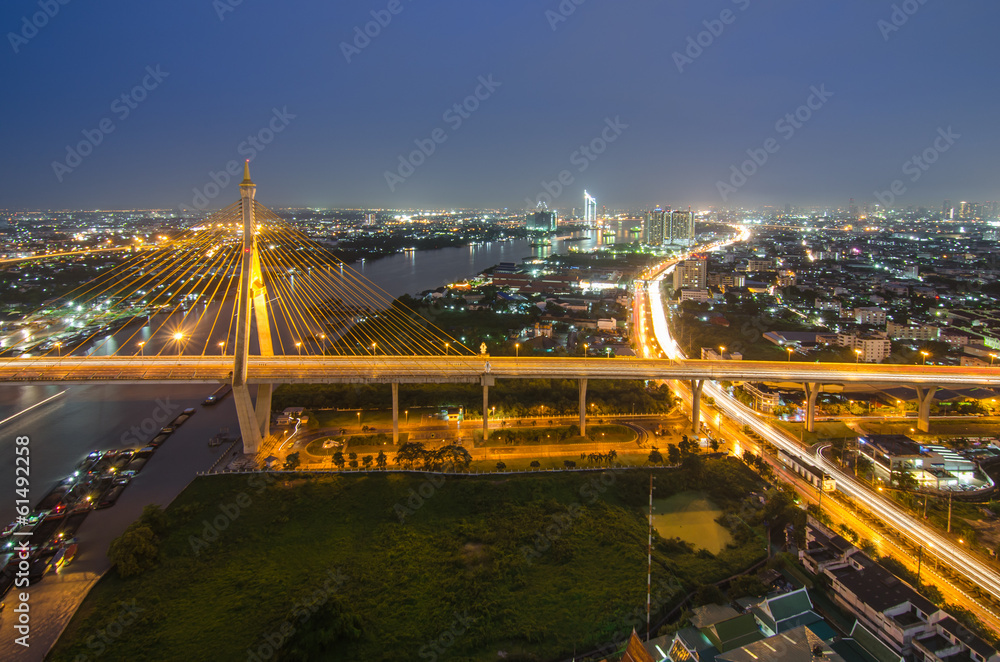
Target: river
x=82 y=418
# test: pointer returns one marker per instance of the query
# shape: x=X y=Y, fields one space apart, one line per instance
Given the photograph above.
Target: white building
x=870 y=315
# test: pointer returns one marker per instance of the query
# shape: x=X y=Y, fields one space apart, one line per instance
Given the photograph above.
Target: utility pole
x=949 y=510
x=649 y=557
x=920 y=559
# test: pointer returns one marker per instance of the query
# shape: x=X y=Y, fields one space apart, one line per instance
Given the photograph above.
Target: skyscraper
x=946 y=209
x=654 y=228
x=542 y=220
x=681 y=230
x=589 y=208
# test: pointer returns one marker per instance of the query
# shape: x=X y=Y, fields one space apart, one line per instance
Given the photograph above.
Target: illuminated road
x=935 y=544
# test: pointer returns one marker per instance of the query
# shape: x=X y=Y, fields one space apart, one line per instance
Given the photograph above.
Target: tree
x=381 y=460
x=292 y=462
x=135 y=550
x=655 y=457
x=747 y=585
x=154 y=517
x=569 y=464
x=354 y=463
x=367 y=461
x=338 y=459
x=455 y=456
x=410 y=452
x=535 y=464
x=673 y=454
x=714 y=444
x=708 y=594
x=501 y=466
x=352 y=456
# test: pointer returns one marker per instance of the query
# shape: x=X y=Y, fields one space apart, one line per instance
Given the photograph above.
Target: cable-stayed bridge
x=244 y=297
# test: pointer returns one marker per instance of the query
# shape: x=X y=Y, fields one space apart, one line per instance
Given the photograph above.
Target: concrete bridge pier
x=395 y=413
x=811 y=391
x=925 y=398
x=488 y=381
x=583 y=407
x=696 y=387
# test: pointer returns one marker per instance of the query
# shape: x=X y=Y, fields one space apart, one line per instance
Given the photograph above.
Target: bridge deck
x=418 y=369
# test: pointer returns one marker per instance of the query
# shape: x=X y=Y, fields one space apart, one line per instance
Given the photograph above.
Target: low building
x=711 y=354
x=912 y=331
x=764 y=399
x=870 y=315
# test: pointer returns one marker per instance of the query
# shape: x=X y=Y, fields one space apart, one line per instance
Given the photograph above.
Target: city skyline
x=370 y=127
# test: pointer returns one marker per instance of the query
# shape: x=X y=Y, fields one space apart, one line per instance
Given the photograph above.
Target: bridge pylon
x=252 y=300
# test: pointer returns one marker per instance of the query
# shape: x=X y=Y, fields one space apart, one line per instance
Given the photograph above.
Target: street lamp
x=59 y=349
x=992 y=357
x=222 y=347
x=446 y=346
x=322 y=347
x=517 y=350
x=179 y=339
x=789 y=350
x=141 y=345
x=924 y=354
x=722 y=351
x=298 y=346
x=585 y=345
x=407 y=420
x=857 y=357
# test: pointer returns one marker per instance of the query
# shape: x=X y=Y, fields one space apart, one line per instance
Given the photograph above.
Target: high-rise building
x=691 y=274
x=654 y=227
x=946 y=209
x=589 y=208
x=542 y=220
x=965 y=210
x=681 y=229
x=853 y=210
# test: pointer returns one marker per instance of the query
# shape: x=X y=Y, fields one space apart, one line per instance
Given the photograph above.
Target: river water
x=83 y=418
x=409 y=273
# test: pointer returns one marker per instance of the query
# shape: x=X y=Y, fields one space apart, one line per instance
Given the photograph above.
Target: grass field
x=825 y=430
x=690 y=516
x=535 y=566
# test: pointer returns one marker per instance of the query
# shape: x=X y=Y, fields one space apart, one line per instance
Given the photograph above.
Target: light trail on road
x=961 y=561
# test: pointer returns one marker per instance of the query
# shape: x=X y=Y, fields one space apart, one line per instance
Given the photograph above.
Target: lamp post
x=298 y=347
x=857 y=355
x=322 y=346
x=222 y=347
x=517 y=350
x=446 y=346
x=359 y=419
x=789 y=350
x=585 y=345
x=722 y=352
x=992 y=357
x=924 y=355
x=141 y=345
x=407 y=419
x=179 y=339
x=59 y=349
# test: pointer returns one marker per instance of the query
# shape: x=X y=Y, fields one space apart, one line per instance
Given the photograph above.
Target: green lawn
x=535 y=436
x=540 y=565
x=825 y=430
